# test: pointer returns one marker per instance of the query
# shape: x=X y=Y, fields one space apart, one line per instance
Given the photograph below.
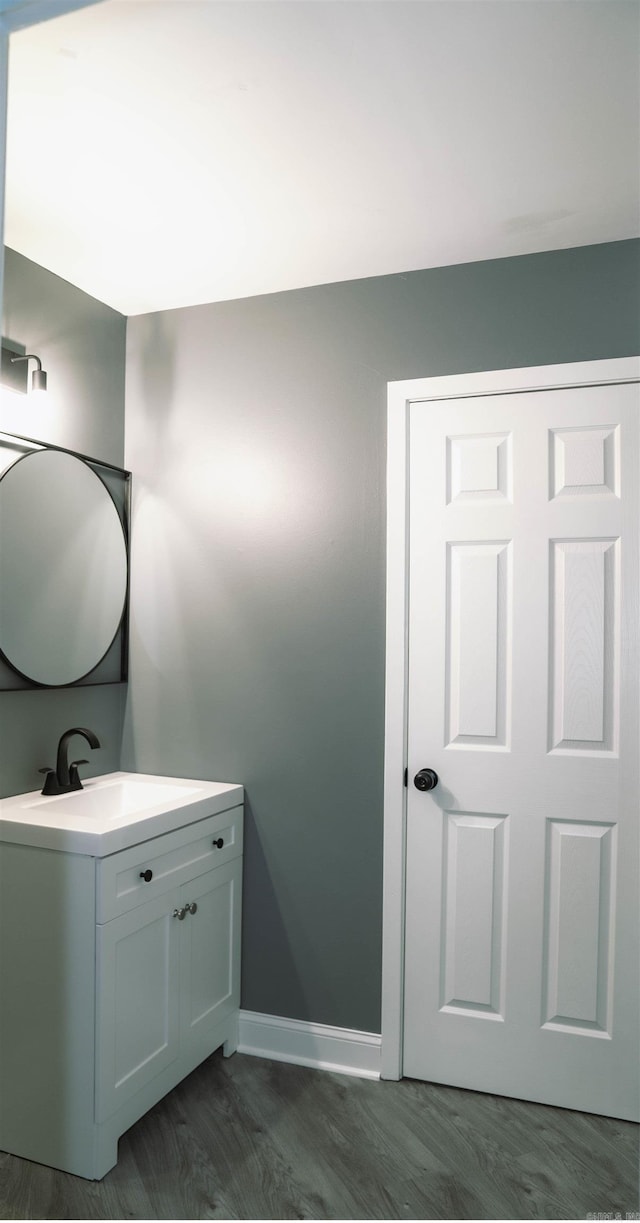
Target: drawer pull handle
x=218 y=843
x=191 y=908
x=180 y=914
x=146 y=875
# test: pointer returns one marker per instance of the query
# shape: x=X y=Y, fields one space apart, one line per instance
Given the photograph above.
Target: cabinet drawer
x=171 y=860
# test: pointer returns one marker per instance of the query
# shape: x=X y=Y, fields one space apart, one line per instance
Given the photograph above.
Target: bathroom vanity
x=119 y=957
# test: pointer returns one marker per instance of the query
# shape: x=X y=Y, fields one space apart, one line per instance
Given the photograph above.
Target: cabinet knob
x=192 y=907
x=180 y=914
x=219 y=842
x=146 y=875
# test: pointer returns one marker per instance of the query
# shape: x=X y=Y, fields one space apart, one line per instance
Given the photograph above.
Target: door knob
x=425 y=779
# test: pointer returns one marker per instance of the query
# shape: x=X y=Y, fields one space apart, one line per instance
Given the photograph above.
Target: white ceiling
x=165 y=153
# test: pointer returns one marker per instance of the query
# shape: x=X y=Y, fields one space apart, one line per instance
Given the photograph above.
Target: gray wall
x=82 y=346
x=256 y=433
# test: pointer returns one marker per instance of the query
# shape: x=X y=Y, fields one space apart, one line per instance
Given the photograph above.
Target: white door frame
x=400 y=395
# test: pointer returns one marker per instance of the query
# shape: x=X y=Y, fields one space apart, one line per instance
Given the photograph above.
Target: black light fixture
x=15 y=367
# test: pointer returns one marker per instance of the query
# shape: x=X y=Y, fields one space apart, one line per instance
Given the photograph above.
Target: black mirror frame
x=113 y=667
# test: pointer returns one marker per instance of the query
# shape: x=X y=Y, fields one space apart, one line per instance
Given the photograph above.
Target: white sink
x=113 y=799
x=113 y=812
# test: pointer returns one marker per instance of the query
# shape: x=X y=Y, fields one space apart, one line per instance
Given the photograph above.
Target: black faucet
x=65 y=778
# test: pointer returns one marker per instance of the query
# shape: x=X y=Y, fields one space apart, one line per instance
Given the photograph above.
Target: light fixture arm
x=39 y=376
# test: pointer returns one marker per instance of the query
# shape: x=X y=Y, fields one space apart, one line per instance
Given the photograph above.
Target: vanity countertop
x=112 y=812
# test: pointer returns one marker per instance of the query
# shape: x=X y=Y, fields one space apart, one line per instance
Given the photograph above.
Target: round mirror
x=63 y=568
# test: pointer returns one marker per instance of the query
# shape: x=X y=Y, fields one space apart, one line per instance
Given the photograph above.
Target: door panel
x=472 y=935
x=580 y=903
x=477 y=649
x=522 y=865
x=584 y=663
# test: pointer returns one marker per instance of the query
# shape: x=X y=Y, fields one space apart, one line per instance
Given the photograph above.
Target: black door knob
x=426 y=779
x=218 y=842
x=146 y=875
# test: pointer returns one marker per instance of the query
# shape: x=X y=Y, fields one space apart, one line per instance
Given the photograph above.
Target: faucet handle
x=51 y=781
x=74 y=780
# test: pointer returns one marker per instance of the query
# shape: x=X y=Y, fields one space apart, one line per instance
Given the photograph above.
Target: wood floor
x=246 y=1138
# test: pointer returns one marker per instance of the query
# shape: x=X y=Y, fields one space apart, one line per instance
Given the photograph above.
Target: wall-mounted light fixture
x=14 y=373
x=39 y=375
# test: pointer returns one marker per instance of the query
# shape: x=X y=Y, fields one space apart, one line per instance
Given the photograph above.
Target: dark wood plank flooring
x=247 y=1138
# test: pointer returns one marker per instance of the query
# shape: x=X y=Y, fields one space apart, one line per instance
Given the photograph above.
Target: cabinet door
x=210 y=954
x=137 y=1009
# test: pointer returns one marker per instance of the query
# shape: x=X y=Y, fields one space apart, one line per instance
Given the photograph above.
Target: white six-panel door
x=521 y=951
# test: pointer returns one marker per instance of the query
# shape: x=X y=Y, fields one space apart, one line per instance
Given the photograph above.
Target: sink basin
x=113 y=812
x=114 y=800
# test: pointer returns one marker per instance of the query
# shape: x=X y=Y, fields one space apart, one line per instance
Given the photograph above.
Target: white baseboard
x=310 y=1044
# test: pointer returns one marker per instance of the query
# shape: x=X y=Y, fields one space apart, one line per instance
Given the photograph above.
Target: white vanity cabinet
x=168 y=964
x=118 y=975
